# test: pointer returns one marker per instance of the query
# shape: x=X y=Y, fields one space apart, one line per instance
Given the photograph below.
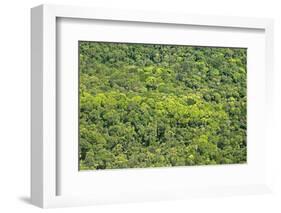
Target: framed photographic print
x=129 y=106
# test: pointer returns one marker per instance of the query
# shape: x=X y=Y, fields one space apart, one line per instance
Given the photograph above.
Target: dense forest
x=149 y=105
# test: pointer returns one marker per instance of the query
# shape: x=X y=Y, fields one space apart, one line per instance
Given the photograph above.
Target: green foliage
x=161 y=105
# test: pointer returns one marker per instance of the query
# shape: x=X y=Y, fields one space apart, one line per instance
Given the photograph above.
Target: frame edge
x=37 y=106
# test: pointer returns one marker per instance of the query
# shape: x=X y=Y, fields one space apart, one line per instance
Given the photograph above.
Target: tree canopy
x=150 y=105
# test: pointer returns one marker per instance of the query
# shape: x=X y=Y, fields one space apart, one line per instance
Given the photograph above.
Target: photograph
x=161 y=105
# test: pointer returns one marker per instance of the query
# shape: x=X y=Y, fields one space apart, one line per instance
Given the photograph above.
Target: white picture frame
x=48 y=165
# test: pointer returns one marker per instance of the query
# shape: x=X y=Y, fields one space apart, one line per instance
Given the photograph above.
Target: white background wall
x=15 y=103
